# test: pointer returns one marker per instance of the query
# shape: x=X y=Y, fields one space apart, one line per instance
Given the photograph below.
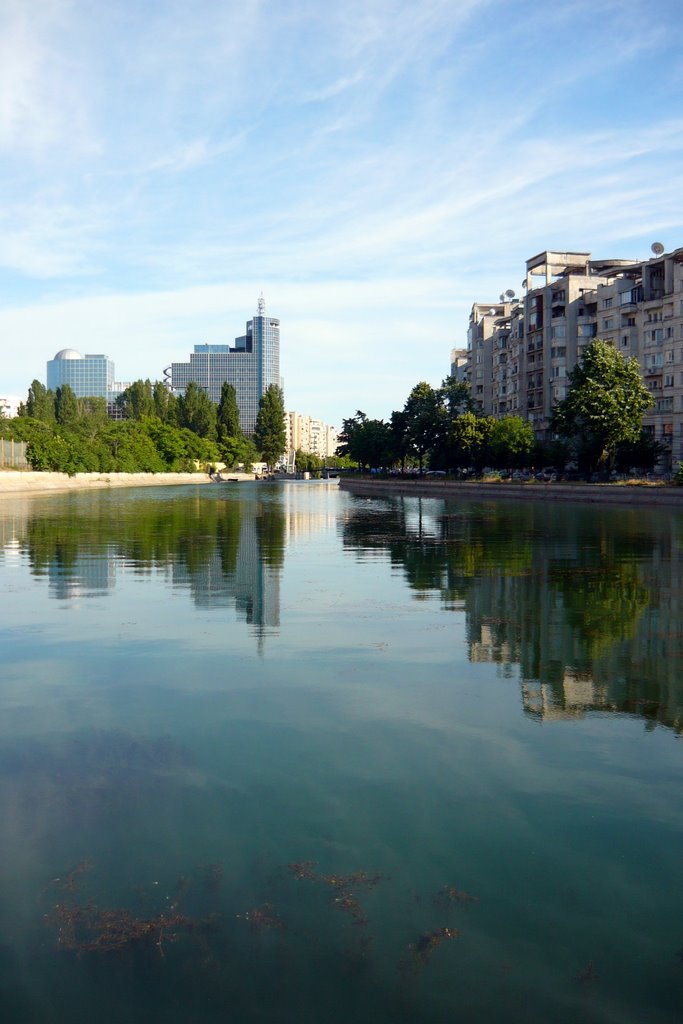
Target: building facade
x=88 y=376
x=9 y=406
x=521 y=351
x=306 y=434
x=251 y=365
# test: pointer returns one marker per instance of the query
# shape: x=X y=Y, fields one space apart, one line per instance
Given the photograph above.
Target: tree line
x=157 y=431
x=597 y=426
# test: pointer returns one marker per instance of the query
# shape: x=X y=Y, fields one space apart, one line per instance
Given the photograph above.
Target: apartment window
x=558 y=332
x=630 y=321
x=558 y=352
x=670 y=356
x=607 y=303
x=624 y=341
x=668 y=380
x=669 y=332
x=608 y=324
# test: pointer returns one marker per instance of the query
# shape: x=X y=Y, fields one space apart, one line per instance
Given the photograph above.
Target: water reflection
x=226 y=549
x=585 y=601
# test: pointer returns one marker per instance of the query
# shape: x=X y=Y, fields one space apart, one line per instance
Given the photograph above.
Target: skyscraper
x=251 y=366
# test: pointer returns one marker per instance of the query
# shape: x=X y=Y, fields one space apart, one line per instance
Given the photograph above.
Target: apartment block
x=520 y=351
x=306 y=434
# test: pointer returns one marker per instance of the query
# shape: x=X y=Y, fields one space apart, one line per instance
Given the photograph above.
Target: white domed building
x=89 y=376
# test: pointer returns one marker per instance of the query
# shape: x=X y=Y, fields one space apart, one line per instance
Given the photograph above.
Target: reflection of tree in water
x=216 y=548
x=603 y=604
x=576 y=597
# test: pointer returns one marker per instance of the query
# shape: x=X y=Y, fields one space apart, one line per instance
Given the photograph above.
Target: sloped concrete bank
x=28 y=482
x=603 y=494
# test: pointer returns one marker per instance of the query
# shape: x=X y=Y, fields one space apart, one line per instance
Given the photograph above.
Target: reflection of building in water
x=586 y=606
x=87 y=575
x=576 y=696
x=586 y=638
x=248 y=583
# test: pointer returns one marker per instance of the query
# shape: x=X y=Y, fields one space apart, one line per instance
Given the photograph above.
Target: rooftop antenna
x=261 y=305
x=657 y=248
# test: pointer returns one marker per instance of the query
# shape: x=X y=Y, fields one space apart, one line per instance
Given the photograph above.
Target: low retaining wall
x=15 y=482
x=613 y=494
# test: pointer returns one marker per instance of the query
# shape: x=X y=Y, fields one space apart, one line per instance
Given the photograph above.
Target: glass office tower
x=89 y=376
x=251 y=366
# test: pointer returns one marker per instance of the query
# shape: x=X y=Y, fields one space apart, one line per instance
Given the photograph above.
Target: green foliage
x=93 y=443
x=165 y=403
x=425 y=419
x=40 y=404
x=196 y=412
x=604 y=405
x=66 y=406
x=678 y=475
x=510 y=442
x=367 y=442
x=228 y=414
x=641 y=455
x=469 y=438
x=456 y=396
x=137 y=401
x=270 y=436
x=308 y=462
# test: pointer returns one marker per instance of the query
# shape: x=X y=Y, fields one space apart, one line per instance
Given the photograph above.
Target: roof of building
x=68 y=353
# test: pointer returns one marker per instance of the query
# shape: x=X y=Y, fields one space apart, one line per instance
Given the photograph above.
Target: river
x=276 y=753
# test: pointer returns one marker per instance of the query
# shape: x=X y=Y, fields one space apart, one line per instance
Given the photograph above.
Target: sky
x=372 y=166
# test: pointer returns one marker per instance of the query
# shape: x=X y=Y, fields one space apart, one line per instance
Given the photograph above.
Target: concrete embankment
x=27 y=482
x=603 y=494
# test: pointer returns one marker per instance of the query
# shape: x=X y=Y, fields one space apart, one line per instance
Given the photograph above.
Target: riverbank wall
x=604 y=494
x=29 y=482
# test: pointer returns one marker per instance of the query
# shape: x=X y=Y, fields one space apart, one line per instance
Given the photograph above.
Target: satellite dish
x=510 y=293
x=501 y=297
x=493 y=311
x=524 y=285
x=657 y=248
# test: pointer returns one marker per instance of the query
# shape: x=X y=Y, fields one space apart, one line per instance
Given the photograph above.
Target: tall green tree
x=40 y=404
x=136 y=402
x=270 y=436
x=604 y=406
x=197 y=412
x=66 y=406
x=456 y=396
x=164 y=403
x=228 y=414
x=469 y=437
x=368 y=442
x=510 y=442
x=425 y=419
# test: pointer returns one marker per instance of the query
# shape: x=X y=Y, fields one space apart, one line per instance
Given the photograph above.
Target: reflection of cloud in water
x=45 y=786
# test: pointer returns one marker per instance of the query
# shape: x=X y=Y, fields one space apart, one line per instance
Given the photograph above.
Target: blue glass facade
x=251 y=366
x=89 y=376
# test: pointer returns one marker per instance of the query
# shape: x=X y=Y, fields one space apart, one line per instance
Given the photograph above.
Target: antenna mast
x=261 y=305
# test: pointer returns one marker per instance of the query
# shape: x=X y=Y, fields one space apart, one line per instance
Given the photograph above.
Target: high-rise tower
x=251 y=366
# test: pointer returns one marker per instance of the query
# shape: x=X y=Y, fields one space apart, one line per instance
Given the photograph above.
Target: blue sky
x=372 y=166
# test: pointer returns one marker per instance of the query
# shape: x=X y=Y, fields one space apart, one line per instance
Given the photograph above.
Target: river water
x=275 y=753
